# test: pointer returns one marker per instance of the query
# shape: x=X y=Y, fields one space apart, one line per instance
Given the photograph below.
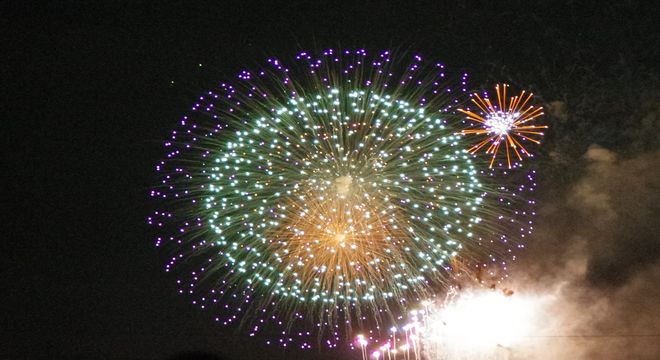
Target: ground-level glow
x=473 y=324
x=478 y=325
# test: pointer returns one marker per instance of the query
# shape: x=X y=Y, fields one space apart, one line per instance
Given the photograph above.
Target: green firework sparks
x=338 y=192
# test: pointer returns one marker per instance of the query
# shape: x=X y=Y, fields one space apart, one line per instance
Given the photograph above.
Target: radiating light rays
x=508 y=123
x=314 y=198
x=366 y=211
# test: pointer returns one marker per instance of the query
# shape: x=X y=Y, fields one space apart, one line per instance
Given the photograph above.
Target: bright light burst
x=332 y=193
x=508 y=123
x=479 y=325
x=474 y=324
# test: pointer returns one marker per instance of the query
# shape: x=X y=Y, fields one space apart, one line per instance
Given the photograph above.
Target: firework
x=508 y=123
x=331 y=193
x=474 y=323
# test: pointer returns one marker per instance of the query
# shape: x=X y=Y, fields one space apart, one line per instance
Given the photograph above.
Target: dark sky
x=88 y=98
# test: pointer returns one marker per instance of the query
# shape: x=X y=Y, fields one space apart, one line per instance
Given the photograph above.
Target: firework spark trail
x=506 y=122
x=334 y=193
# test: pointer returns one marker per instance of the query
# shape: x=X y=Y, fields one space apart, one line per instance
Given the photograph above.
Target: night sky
x=91 y=91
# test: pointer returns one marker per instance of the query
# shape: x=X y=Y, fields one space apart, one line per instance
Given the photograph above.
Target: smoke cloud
x=595 y=259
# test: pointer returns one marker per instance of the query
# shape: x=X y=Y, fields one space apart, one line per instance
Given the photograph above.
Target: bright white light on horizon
x=476 y=324
x=471 y=324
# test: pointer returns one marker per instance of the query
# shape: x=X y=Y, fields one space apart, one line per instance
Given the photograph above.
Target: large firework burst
x=508 y=123
x=334 y=193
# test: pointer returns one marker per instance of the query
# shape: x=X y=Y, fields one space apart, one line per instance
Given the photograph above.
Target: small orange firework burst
x=507 y=122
